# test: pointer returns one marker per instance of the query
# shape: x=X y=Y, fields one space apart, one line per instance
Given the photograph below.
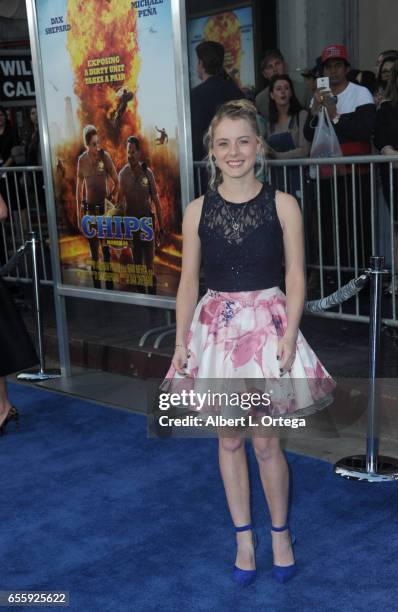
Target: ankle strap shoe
x=240 y=576
x=283 y=573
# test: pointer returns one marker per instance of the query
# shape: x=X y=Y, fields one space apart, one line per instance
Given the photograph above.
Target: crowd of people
x=18 y=151
x=363 y=108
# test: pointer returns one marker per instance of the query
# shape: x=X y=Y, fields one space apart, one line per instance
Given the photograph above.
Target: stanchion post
x=36 y=295
x=35 y=376
x=372 y=445
x=372 y=467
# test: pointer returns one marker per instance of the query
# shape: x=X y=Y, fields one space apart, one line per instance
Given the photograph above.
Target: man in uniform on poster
x=94 y=168
x=138 y=190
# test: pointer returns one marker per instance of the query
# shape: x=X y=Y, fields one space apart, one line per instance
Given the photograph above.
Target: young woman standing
x=244 y=327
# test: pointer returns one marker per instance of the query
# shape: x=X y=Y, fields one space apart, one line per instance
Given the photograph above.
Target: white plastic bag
x=325 y=144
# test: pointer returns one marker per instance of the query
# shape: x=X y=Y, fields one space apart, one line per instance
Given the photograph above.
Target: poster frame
x=61 y=290
x=223 y=9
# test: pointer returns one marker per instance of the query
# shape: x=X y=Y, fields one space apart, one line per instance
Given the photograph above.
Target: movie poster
x=234 y=30
x=109 y=81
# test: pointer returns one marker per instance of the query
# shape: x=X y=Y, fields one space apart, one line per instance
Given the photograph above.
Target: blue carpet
x=90 y=505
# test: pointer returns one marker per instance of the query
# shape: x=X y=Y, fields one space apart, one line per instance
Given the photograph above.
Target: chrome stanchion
x=41 y=374
x=372 y=467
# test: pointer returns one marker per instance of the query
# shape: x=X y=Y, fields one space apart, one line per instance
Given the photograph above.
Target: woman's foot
x=245 y=558
x=5 y=408
x=282 y=548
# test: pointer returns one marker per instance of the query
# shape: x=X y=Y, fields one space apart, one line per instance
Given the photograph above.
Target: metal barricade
x=22 y=189
x=349 y=207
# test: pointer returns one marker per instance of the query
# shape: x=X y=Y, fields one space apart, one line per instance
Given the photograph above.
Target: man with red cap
x=353 y=113
x=350 y=106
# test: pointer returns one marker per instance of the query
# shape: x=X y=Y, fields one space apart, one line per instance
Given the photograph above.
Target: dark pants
x=339 y=222
x=94 y=244
x=385 y=181
x=143 y=253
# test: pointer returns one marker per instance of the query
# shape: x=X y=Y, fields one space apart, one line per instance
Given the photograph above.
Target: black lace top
x=241 y=244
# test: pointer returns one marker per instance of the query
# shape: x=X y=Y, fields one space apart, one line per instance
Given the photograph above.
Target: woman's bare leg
x=4 y=402
x=274 y=475
x=235 y=475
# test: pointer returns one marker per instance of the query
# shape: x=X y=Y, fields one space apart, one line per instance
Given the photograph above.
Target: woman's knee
x=266 y=448
x=231 y=443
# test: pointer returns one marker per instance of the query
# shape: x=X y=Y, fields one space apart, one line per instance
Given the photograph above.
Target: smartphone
x=322 y=83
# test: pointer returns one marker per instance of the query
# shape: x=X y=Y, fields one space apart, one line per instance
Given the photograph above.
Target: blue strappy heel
x=283 y=573
x=241 y=576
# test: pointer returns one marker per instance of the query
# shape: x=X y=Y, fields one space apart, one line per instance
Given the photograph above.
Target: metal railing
x=349 y=208
x=31 y=247
x=22 y=189
x=348 y=211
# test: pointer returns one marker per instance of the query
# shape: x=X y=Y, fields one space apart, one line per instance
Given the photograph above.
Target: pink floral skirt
x=233 y=342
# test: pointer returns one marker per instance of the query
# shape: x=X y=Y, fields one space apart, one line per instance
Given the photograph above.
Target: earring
x=213 y=158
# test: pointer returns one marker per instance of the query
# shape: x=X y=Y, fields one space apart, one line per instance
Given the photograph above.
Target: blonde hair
x=236 y=109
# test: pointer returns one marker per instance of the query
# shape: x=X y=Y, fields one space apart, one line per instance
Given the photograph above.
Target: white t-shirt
x=353 y=96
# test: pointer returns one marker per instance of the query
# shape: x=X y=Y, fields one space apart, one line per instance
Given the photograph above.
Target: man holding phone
x=352 y=111
x=350 y=106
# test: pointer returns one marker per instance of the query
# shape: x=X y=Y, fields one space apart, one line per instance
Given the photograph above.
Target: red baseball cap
x=334 y=52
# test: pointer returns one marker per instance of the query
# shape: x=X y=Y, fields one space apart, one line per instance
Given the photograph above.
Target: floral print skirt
x=232 y=344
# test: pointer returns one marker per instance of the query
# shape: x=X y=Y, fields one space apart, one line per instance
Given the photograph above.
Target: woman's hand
x=180 y=359
x=3 y=210
x=286 y=353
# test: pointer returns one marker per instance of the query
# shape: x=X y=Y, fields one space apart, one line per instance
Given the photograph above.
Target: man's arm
x=122 y=205
x=358 y=125
x=79 y=198
x=113 y=174
x=312 y=117
x=351 y=127
x=155 y=198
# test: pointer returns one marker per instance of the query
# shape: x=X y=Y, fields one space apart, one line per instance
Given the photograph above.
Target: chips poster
x=109 y=83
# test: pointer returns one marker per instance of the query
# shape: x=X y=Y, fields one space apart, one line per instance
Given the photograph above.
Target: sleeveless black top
x=242 y=244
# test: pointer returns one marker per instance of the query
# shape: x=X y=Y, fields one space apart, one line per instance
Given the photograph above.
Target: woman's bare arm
x=293 y=241
x=188 y=289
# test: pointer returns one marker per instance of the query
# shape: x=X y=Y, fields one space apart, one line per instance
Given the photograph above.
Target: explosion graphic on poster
x=114 y=149
x=234 y=30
